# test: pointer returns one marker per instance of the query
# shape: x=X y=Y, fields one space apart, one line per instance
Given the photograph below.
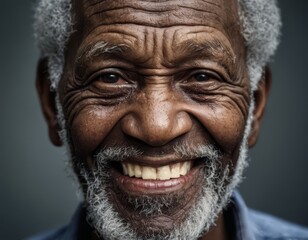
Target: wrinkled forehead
x=219 y=14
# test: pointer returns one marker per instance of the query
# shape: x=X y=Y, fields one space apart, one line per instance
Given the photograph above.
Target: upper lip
x=156 y=161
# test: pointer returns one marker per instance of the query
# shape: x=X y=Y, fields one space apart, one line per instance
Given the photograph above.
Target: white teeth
x=161 y=173
x=138 y=171
x=125 y=170
x=148 y=173
x=189 y=165
x=131 y=171
x=175 y=170
x=183 y=168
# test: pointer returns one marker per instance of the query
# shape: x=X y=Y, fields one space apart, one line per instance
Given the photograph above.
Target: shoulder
x=273 y=228
x=254 y=225
x=77 y=227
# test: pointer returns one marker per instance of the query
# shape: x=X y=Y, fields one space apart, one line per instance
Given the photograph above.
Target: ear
x=47 y=100
x=260 y=97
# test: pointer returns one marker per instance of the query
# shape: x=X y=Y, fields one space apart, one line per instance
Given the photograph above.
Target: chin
x=116 y=211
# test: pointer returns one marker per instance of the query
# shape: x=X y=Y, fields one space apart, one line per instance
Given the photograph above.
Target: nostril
x=183 y=123
x=130 y=125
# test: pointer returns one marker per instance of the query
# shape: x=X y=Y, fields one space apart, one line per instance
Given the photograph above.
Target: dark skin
x=178 y=75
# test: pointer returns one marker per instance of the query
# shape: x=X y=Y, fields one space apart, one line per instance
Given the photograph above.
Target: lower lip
x=137 y=186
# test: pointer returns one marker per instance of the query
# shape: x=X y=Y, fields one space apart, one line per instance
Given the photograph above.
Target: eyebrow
x=209 y=49
x=100 y=48
x=214 y=50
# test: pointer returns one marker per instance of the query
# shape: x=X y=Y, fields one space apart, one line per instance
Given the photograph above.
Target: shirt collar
x=244 y=228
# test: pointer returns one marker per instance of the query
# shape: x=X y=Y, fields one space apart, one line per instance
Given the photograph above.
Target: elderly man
x=157 y=103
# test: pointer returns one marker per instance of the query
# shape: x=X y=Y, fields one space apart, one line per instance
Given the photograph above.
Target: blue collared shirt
x=248 y=225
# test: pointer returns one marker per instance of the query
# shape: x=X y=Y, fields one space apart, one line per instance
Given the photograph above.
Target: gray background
x=37 y=195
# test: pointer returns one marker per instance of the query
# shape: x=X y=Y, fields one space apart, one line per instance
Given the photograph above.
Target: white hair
x=260 y=26
x=52 y=29
x=261 y=23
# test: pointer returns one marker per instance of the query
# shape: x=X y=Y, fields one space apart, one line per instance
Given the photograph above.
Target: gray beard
x=110 y=225
x=214 y=195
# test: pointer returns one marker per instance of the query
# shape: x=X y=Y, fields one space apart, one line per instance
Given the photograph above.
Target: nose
x=156 y=118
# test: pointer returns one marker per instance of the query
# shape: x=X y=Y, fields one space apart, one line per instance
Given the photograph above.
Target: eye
x=201 y=77
x=111 y=78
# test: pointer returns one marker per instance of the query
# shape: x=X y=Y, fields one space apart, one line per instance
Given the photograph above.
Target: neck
x=219 y=231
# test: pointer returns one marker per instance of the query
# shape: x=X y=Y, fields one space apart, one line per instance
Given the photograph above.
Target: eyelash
x=112 y=71
x=192 y=74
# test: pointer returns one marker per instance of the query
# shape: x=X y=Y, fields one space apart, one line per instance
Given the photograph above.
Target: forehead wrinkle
x=166 y=49
x=127 y=9
x=150 y=13
x=154 y=19
x=212 y=3
x=151 y=6
x=198 y=9
x=167 y=10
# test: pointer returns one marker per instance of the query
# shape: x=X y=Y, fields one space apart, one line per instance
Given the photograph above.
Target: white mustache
x=118 y=154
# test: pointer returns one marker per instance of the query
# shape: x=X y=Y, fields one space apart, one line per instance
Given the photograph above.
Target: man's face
x=154 y=94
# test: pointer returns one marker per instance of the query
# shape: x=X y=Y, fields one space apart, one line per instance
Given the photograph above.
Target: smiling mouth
x=139 y=179
x=167 y=172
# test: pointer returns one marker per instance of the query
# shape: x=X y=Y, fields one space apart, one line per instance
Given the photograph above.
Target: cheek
x=90 y=127
x=226 y=125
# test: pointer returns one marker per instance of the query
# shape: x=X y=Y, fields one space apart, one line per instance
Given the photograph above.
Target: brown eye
x=110 y=78
x=201 y=77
